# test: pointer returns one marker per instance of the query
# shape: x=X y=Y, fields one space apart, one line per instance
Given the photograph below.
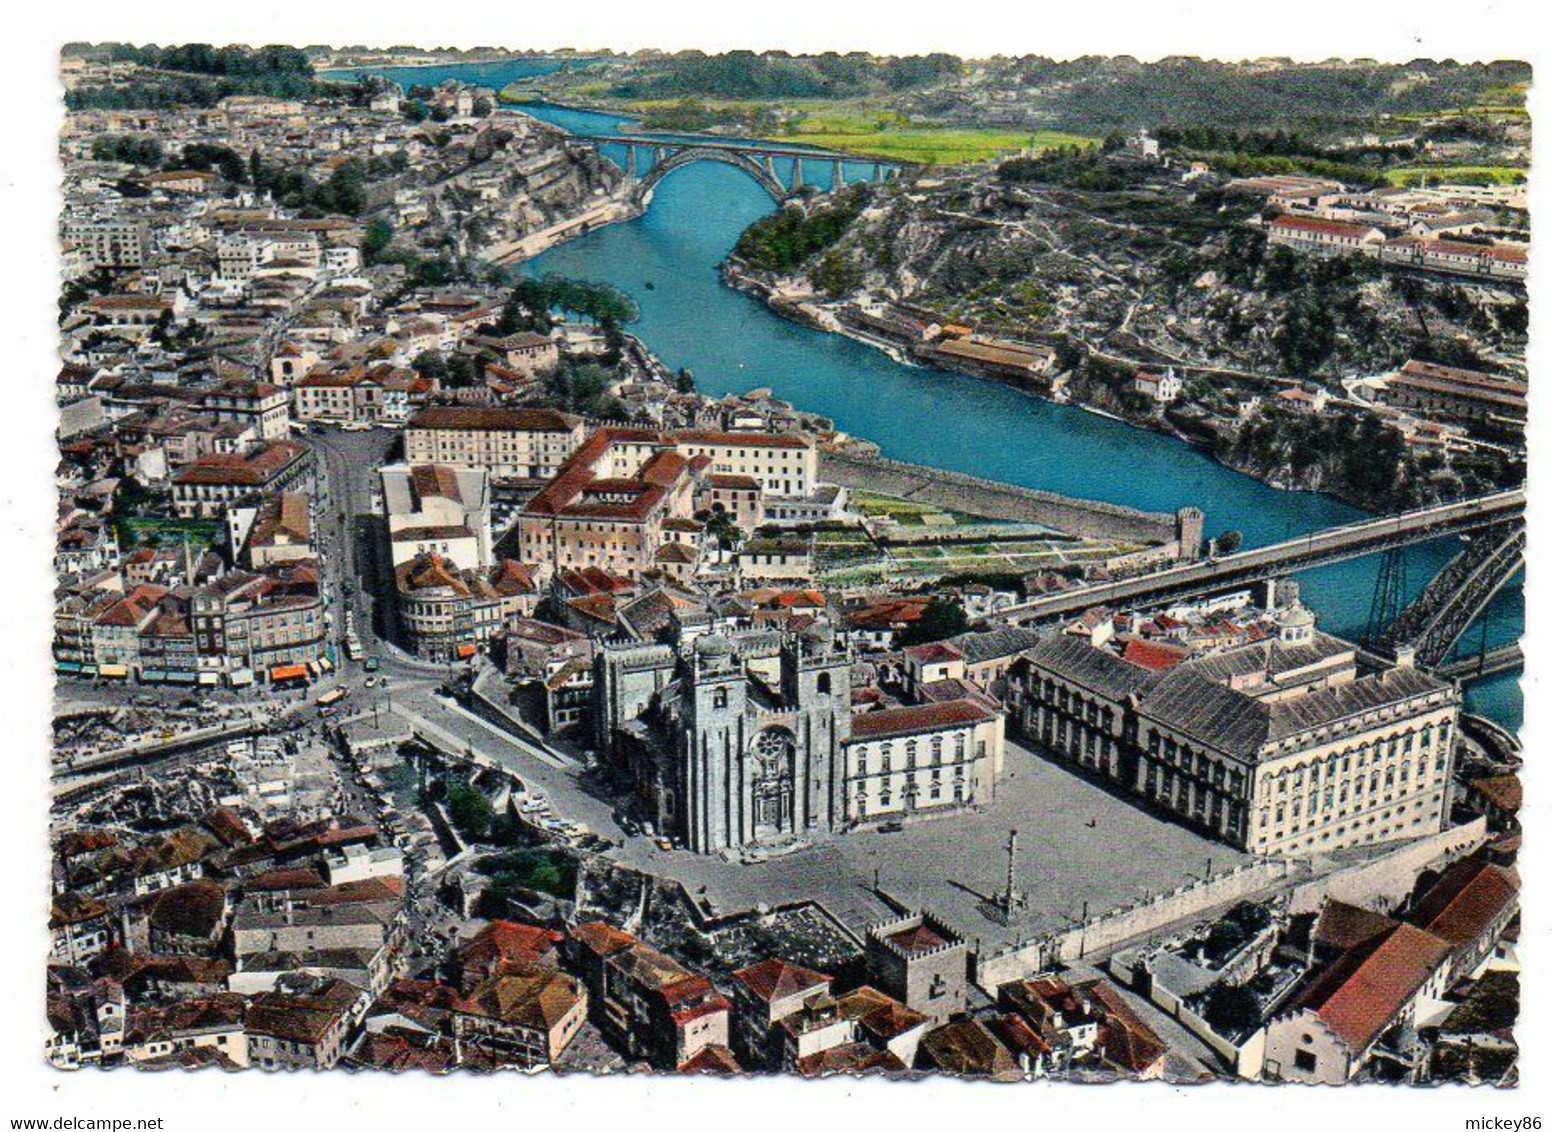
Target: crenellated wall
x=957 y=491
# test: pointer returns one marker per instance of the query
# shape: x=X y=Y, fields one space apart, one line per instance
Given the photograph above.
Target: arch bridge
x=648 y=161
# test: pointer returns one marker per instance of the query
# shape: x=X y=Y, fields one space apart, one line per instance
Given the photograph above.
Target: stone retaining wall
x=1386 y=881
x=1129 y=922
x=972 y=495
x=1380 y=882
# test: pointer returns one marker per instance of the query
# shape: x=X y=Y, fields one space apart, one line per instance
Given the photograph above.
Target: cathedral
x=749 y=739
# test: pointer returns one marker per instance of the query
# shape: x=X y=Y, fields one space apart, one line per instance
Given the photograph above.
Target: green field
x=939 y=147
x=1407 y=175
x=870 y=131
x=136 y=531
x=886 y=135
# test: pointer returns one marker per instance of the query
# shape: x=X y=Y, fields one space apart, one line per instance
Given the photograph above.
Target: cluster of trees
x=470 y=811
x=1247 y=165
x=204 y=59
x=437 y=269
x=532 y=302
x=419 y=105
x=206 y=156
x=776 y=74
x=197 y=74
x=690 y=115
x=944 y=617
x=583 y=387
x=1247 y=153
x=521 y=871
x=133 y=149
x=1072 y=167
x=784 y=240
x=343 y=192
x=459 y=371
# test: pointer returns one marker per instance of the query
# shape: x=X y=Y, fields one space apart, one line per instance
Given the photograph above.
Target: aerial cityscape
x=594 y=562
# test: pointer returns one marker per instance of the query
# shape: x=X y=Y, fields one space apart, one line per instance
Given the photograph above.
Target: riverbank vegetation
x=784 y=240
x=1117 y=266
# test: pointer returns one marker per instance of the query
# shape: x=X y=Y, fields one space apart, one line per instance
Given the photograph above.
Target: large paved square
x=1078 y=843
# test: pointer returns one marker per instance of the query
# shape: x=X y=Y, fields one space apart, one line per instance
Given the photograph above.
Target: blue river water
x=667 y=261
x=495 y=74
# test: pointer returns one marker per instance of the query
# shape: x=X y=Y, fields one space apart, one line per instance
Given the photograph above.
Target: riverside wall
x=989 y=499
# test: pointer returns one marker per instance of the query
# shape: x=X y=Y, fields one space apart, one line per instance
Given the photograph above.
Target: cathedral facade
x=750 y=739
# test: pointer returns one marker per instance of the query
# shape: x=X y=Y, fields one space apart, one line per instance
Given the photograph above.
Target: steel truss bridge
x=1431 y=624
x=648 y=161
x=1434 y=621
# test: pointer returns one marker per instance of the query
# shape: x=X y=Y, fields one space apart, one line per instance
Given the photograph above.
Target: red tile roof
x=1466 y=901
x=742 y=439
x=1360 y=995
x=1153 y=655
x=1502 y=790
x=1314 y=224
x=776 y=978
x=714 y=1059
x=916 y=719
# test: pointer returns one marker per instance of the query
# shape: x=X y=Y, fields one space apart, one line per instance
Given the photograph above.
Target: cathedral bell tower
x=712 y=741
x=816 y=690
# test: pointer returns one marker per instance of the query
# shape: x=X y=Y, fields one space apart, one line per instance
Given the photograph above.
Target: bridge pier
x=838 y=175
x=630 y=161
x=797 y=173
x=878 y=171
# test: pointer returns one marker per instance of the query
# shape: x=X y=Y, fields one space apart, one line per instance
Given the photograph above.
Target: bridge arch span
x=679 y=158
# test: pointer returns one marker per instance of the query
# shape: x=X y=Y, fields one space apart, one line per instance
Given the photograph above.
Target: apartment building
x=508 y=443
x=206 y=487
x=784 y=464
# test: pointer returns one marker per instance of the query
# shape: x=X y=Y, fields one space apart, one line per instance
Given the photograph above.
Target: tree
x=431 y=365
x=1229 y=542
x=720 y=526
x=684 y=380
x=1232 y=1010
x=470 y=810
x=942 y=618
x=463 y=372
x=377 y=237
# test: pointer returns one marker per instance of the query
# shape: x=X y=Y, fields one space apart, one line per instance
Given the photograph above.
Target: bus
x=333 y=696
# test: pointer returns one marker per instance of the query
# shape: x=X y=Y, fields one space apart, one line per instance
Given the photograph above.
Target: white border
x=28 y=179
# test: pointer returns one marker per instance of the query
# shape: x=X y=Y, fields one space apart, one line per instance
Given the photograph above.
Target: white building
x=434 y=509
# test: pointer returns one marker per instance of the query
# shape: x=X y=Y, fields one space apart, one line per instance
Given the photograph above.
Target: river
x=667 y=261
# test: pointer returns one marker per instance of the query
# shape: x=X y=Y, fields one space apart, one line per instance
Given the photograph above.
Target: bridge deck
x=1320 y=548
x=753 y=148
